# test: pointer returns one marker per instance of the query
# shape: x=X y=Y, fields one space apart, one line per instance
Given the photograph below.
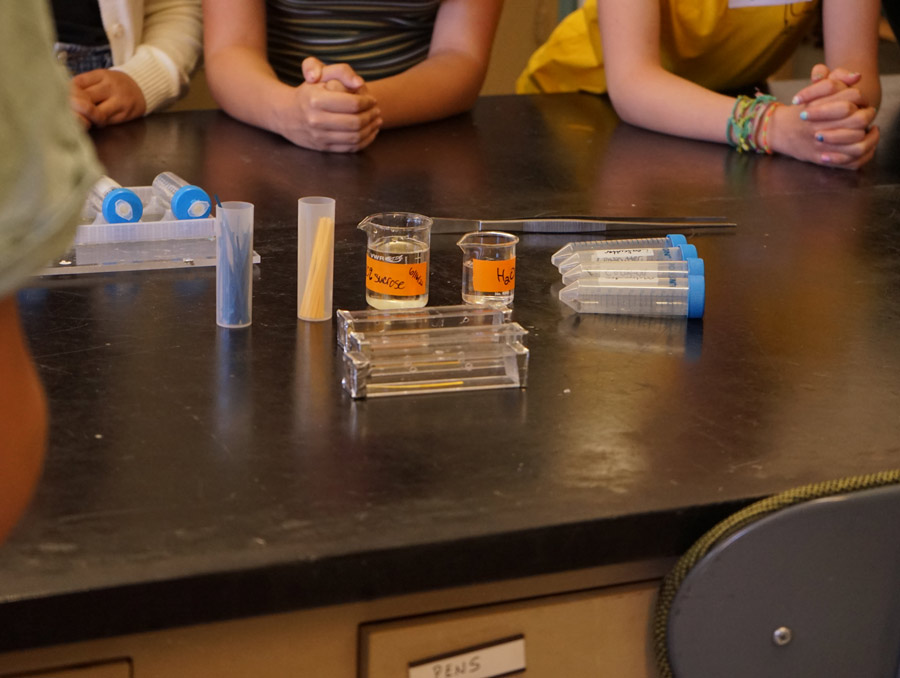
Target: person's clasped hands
x=331 y=110
x=829 y=121
x=105 y=97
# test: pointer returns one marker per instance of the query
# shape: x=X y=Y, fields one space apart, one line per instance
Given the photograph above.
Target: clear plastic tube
x=634 y=270
x=113 y=202
x=571 y=248
x=677 y=253
x=679 y=297
x=185 y=200
x=315 y=257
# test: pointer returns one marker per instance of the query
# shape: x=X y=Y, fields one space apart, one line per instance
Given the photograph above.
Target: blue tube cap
x=688 y=252
x=696 y=296
x=676 y=239
x=696 y=267
x=185 y=199
x=112 y=211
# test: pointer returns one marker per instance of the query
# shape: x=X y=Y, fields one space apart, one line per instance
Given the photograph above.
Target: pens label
x=494 y=276
x=398 y=280
x=501 y=658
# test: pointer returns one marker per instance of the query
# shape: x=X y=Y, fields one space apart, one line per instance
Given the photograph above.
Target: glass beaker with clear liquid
x=397 y=259
x=489 y=267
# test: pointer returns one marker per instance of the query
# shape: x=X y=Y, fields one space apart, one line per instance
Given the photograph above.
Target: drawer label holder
x=504 y=657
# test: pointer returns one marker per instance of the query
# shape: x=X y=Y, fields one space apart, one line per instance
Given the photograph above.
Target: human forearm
x=246 y=87
x=23 y=419
x=412 y=97
x=663 y=102
x=850 y=30
x=449 y=80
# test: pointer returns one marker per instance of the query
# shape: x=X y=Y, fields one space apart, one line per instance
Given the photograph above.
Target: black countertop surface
x=196 y=473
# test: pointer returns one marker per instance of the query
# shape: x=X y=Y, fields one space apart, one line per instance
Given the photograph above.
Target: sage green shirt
x=47 y=162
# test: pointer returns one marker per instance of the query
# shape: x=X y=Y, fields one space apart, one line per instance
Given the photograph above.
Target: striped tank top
x=378 y=38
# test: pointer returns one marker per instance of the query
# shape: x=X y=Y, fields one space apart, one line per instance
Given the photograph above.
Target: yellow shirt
x=703 y=41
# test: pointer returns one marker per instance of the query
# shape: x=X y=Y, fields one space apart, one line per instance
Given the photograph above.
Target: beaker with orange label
x=489 y=267
x=397 y=259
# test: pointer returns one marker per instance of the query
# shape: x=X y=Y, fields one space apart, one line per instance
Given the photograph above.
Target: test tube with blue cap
x=571 y=248
x=636 y=271
x=185 y=200
x=115 y=203
x=673 y=297
x=676 y=253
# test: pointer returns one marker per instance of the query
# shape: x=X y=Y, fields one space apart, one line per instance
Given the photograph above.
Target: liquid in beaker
x=397 y=256
x=489 y=267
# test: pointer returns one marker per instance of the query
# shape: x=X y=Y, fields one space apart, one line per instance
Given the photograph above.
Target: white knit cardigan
x=156 y=42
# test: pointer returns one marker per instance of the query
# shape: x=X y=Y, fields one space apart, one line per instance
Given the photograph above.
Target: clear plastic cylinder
x=315 y=257
x=571 y=248
x=636 y=271
x=678 y=297
x=185 y=200
x=234 y=264
x=677 y=253
x=113 y=202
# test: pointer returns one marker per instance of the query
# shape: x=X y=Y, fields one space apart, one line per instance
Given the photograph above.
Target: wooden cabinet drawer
x=602 y=632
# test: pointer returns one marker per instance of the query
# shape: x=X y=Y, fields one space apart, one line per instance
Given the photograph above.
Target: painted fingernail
x=820 y=137
x=804 y=115
x=826 y=159
x=796 y=100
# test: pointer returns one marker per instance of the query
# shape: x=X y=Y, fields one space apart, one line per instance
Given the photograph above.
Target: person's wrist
x=281 y=109
x=782 y=129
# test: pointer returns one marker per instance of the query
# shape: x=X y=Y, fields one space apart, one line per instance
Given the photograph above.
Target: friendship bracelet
x=745 y=124
x=741 y=104
x=764 y=132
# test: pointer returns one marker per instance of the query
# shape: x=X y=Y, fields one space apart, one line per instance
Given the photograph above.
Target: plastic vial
x=186 y=200
x=677 y=253
x=634 y=270
x=117 y=204
x=679 y=297
x=571 y=248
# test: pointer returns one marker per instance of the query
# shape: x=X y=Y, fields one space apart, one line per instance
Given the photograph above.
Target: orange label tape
x=494 y=276
x=399 y=280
